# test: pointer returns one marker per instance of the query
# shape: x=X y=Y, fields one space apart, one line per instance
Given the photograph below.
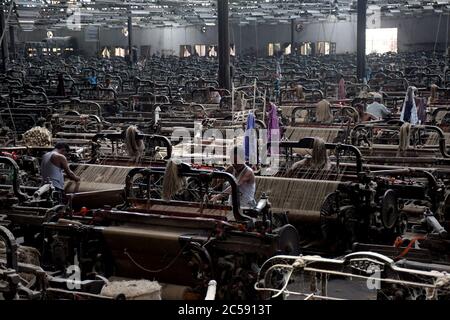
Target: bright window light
x=381 y=40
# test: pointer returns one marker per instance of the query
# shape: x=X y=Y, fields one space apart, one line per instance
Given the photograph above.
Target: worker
x=61 y=90
x=245 y=178
x=377 y=109
x=342 y=92
x=318 y=160
x=92 y=79
x=110 y=94
x=298 y=92
x=214 y=96
x=52 y=166
x=363 y=115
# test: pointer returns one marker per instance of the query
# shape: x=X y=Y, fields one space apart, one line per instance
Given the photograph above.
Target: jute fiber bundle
x=133 y=290
x=323 y=112
x=37 y=137
x=135 y=147
x=172 y=181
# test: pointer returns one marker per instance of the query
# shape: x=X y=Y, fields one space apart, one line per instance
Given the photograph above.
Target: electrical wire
x=437 y=34
x=7 y=20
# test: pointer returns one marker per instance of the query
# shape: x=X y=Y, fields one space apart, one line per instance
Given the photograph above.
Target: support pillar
x=12 y=42
x=130 y=39
x=224 y=44
x=361 y=39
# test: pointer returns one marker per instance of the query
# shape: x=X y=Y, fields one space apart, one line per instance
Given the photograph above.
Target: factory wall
x=250 y=37
x=413 y=34
x=420 y=33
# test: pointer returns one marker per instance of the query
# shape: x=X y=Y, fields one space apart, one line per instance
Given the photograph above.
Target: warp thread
x=295 y=195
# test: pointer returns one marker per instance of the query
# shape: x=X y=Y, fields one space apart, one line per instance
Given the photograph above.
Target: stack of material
x=37 y=137
x=300 y=198
x=133 y=290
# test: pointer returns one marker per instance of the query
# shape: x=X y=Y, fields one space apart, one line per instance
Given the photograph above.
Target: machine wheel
x=288 y=241
x=389 y=210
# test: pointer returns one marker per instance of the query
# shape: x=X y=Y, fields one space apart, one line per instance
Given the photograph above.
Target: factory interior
x=223 y=150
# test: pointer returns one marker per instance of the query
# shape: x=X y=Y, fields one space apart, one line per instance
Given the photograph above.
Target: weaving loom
x=312 y=277
x=380 y=144
x=116 y=149
x=344 y=161
x=175 y=241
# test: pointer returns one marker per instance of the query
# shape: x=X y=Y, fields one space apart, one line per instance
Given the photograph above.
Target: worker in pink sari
x=342 y=92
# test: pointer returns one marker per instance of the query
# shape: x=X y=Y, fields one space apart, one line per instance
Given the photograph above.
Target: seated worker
x=298 y=92
x=92 y=79
x=377 y=109
x=318 y=160
x=245 y=178
x=108 y=85
x=214 y=96
x=52 y=166
x=363 y=115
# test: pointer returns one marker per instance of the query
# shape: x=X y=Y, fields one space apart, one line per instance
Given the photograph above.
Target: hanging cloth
x=422 y=110
x=342 y=92
x=273 y=122
x=250 y=139
x=409 y=111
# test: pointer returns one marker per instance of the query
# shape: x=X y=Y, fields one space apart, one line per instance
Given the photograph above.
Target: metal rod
x=224 y=45
x=4 y=45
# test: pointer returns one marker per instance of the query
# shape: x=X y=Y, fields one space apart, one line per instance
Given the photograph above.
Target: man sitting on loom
x=319 y=159
x=245 y=178
x=52 y=166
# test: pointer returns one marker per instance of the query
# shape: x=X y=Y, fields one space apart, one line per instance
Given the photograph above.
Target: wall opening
x=200 y=50
x=381 y=40
x=273 y=49
x=306 y=48
x=212 y=51
x=185 y=51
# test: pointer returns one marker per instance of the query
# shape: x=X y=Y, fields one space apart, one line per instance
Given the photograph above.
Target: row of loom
x=127 y=220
